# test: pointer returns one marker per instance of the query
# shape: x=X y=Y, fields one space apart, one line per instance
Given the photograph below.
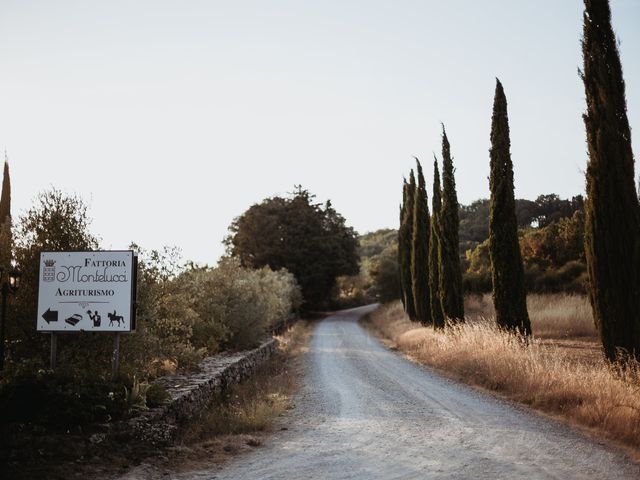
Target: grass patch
x=255 y=403
x=554 y=315
x=543 y=374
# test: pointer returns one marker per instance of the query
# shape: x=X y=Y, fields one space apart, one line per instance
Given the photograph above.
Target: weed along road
x=366 y=412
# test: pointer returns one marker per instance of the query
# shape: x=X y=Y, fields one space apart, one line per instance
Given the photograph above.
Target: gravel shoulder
x=366 y=412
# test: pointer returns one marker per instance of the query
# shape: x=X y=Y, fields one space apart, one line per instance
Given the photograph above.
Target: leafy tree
x=310 y=240
x=420 y=252
x=405 y=237
x=434 y=246
x=612 y=228
x=509 y=295
x=57 y=222
x=556 y=244
x=451 y=294
x=385 y=274
x=546 y=209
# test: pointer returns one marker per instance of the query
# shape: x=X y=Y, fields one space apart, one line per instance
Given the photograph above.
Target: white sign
x=90 y=291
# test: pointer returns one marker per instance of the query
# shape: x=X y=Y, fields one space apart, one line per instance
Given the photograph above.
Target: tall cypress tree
x=401 y=244
x=5 y=197
x=509 y=295
x=405 y=237
x=6 y=239
x=434 y=244
x=612 y=226
x=451 y=294
x=420 y=251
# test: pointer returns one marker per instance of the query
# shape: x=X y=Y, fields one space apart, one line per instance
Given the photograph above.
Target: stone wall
x=190 y=393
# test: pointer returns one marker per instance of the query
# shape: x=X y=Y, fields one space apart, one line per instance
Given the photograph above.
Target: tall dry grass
x=557 y=315
x=591 y=394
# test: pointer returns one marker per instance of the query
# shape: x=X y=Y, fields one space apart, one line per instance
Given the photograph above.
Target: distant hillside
x=373 y=243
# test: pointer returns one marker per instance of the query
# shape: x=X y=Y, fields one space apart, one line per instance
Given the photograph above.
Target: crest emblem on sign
x=49 y=272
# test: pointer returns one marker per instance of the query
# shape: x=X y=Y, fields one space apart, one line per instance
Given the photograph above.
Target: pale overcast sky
x=172 y=117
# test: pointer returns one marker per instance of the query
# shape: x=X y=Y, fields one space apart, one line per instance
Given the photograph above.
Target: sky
x=170 y=118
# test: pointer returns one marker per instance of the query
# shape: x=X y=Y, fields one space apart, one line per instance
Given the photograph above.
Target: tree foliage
x=6 y=237
x=56 y=222
x=437 y=314
x=538 y=213
x=450 y=274
x=405 y=236
x=374 y=243
x=509 y=295
x=310 y=240
x=612 y=226
x=420 y=251
x=385 y=274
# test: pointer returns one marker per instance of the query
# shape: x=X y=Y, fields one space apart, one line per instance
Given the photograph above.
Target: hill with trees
x=550 y=233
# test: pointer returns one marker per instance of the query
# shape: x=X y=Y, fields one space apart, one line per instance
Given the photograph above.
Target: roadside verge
x=588 y=393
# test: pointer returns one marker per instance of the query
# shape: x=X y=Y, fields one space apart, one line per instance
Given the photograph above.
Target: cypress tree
x=451 y=294
x=612 y=224
x=6 y=240
x=434 y=244
x=401 y=244
x=404 y=237
x=420 y=251
x=509 y=295
x=5 y=197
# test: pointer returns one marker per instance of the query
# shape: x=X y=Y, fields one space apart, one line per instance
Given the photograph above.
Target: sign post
x=54 y=351
x=115 y=361
x=87 y=291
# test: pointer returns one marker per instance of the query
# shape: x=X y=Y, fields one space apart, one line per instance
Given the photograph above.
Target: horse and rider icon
x=113 y=318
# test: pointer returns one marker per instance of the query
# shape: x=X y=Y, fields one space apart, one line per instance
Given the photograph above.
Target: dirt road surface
x=366 y=412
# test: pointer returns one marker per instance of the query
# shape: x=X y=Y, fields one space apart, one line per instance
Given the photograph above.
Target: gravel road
x=368 y=413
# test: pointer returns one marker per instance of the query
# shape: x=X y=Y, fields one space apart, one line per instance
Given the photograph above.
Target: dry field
x=560 y=371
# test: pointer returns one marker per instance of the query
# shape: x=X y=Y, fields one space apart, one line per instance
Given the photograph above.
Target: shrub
x=62 y=400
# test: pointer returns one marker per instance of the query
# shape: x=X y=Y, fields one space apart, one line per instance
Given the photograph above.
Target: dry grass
x=252 y=405
x=552 y=315
x=547 y=377
x=243 y=417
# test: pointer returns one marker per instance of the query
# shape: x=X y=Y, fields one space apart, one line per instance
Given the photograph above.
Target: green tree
x=420 y=251
x=310 y=240
x=434 y=247
x=56 y=222
x=612 y=224
x=5 y=197
x=451 y=294
x=385 y=274
x=509 y=295
x=405 y=236
x=6 y=240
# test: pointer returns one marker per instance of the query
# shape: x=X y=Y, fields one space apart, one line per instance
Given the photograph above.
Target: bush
x=62 y=400
x=477 y=282
x=236 y=306
x=156 y=395
x=571 y=278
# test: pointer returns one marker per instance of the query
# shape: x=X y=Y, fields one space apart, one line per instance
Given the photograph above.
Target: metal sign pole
x=54 y=351
x=116 y=356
